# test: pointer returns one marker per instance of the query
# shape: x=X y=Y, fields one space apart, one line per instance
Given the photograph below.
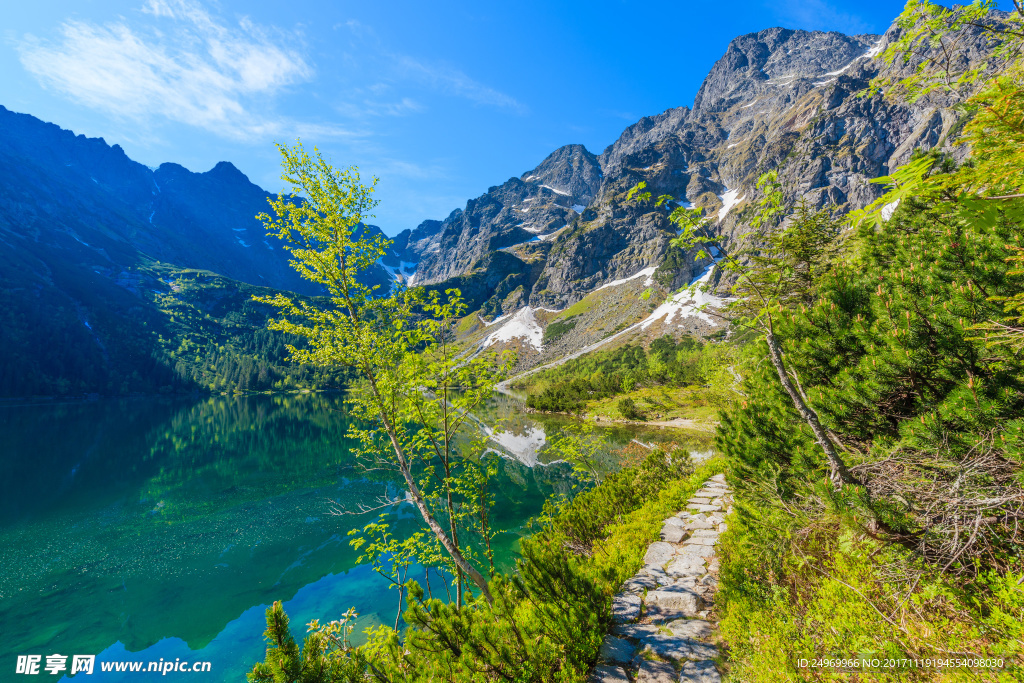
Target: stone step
x=704 y=508
x=659 y=553
x=608 y=674
x=700 y=672
x=625 y=607
x=702 y=540
x=710 y=533
x=616 y=650
x=656 y=672
x=691 y=628
x=700 y=501
x=673 y=534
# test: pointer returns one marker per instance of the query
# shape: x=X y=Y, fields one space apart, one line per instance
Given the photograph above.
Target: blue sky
x=439 y=99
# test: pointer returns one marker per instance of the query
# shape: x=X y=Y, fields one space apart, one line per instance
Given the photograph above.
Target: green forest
x=154 y=329
x=603 y=374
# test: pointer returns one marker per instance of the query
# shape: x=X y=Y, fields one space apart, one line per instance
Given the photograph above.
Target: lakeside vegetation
x=684 y=378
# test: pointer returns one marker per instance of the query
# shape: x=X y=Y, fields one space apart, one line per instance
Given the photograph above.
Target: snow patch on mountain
x=730 y=199
x=522 y=325
x=649 y=272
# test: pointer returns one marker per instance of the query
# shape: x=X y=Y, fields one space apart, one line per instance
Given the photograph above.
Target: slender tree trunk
x=421 y=505
x=839 y=473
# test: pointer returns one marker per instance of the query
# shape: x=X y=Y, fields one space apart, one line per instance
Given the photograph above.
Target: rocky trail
x=664 y=630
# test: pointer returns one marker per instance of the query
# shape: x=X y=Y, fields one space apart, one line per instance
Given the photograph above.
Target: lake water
x=155 y=528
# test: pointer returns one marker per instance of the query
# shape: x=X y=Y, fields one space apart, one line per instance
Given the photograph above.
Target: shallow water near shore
x=151 y=528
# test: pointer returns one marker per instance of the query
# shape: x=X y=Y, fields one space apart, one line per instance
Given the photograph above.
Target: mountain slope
x=777 y=99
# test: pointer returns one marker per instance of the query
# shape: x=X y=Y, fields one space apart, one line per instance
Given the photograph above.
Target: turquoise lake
x=151 y=528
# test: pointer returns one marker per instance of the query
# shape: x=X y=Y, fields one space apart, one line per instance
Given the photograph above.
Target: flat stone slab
x=706 y=533
x=608 y=674
x=616 y=650
x=691 y=628
x=704 y=508
x=702 y=524
x=687 y=566
x=700 y=501
x=719 y=477
x=702 y=540
x=625 y=607
x=680 y=649
x=709 y=493
x=656 y=672
x=698 y=550
x=700 y=672
x=638 y=583
x=676 y=600
x=659 y=553
x=672 y=533
x=674 y=521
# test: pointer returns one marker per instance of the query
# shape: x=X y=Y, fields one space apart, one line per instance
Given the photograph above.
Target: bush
x=628 y=409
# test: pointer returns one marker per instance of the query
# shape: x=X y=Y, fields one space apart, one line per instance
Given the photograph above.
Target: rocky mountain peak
x=570 y=170
x=775 y=55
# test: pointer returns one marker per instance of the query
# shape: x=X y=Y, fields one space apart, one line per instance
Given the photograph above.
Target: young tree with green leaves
x=414 y=393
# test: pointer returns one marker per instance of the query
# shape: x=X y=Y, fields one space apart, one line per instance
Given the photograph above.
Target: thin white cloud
x=398 y=67
x=455 y=82
x=195 y=71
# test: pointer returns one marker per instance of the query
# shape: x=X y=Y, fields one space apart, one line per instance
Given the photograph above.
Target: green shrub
x=628 y=409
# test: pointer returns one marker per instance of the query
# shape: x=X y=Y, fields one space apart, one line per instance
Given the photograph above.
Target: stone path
x=662 y=632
